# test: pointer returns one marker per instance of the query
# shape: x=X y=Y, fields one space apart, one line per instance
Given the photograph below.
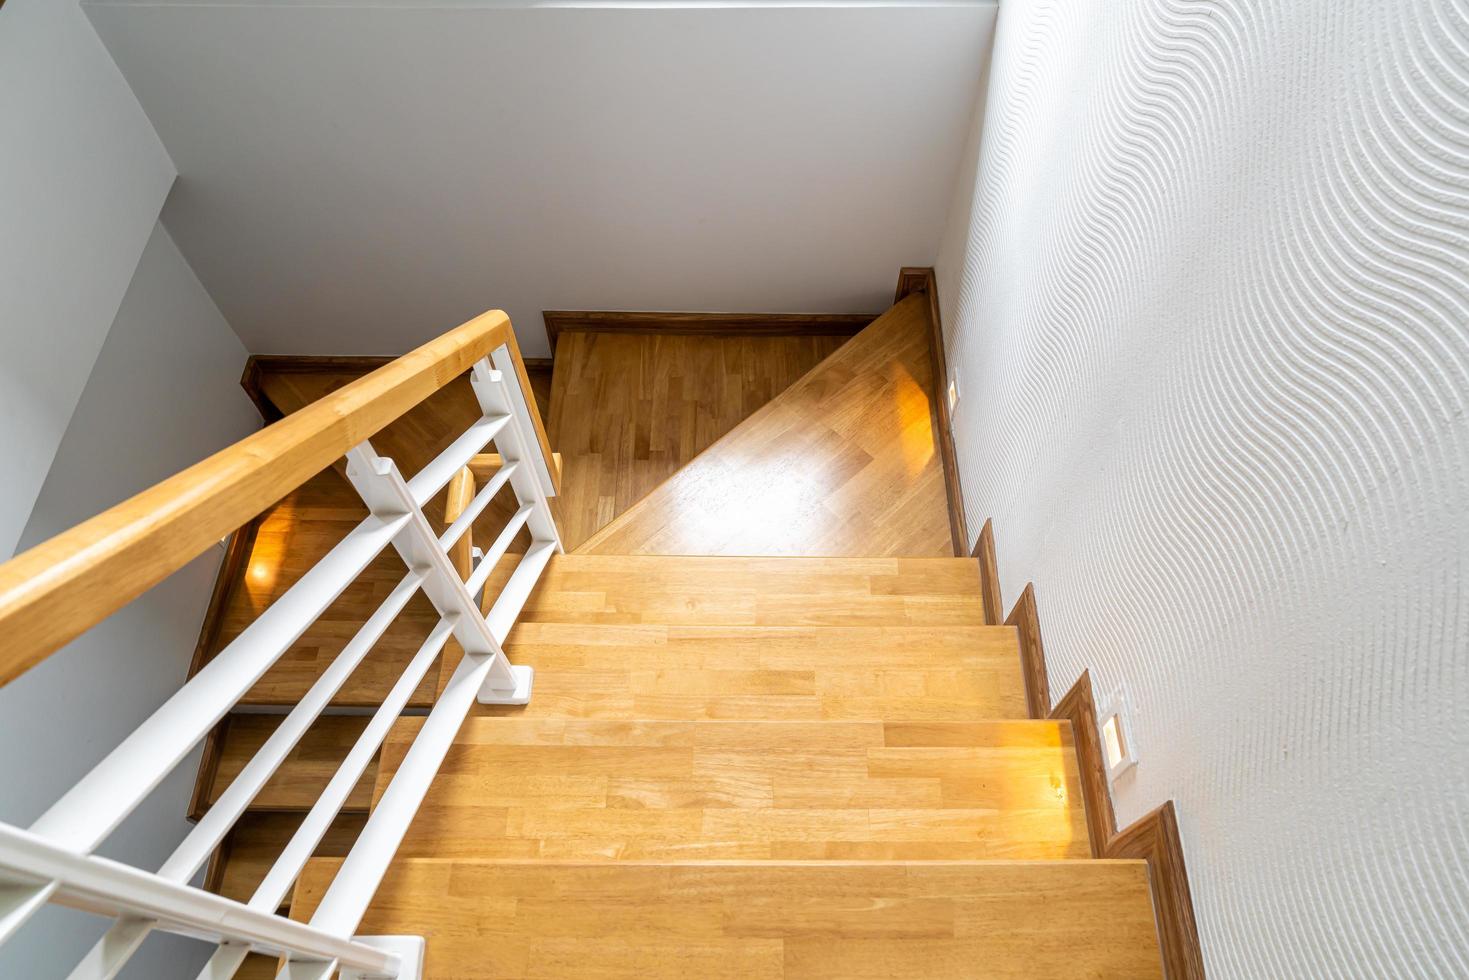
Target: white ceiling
x=356 y=178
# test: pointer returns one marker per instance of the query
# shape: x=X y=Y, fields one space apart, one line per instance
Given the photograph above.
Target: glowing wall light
x=1117 y=749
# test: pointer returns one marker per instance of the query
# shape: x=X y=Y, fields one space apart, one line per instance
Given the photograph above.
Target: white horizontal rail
x=52 y=861
x=351 y=891
x=491 y=557
x=522 y=581
x=18 y=902
x=112 y=950
x=477 y=505
x=94 y=807
x=431 y=479
x=225 y=962
x=212 y=827
x=277 y=882
x=111 y=953
x=383 y=487
x=98 y=885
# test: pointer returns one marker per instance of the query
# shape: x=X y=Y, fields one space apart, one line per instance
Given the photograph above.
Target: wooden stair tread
x=843 y=462
x=853 y=920
x=713 y=590
x=954 y=673
x=291 y=538
x=299 y=781
x=256 y=842
x=622 y=790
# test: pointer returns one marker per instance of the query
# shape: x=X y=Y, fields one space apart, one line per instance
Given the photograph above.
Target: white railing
x=53 y=859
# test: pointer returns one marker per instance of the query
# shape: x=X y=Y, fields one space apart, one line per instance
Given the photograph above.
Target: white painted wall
x=1207 y=290
x=163 y=395
x=82 y=179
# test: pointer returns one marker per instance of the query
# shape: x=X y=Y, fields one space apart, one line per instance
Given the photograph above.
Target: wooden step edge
x=218 y=758
x=1096 y=914
x=323 y=862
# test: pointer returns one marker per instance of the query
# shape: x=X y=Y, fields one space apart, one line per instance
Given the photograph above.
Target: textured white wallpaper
x=1206 y=293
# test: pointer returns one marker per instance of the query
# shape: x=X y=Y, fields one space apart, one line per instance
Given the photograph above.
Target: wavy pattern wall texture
x=1206 y=292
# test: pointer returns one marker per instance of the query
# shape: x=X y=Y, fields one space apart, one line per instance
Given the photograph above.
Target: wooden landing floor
x=627 y=410
x=844 y=462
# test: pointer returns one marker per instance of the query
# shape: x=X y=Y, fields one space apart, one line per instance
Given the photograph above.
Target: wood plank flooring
x=627 y=410
x=1062 y=920
x=908 y=673
x=674 y=790
x=721 y=591
x=299 y=782
x=843 y=462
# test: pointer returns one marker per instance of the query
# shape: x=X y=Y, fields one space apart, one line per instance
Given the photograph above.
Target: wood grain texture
x=291 y=537
x=1026 y=620
x=629 y=410
x=908 y=673
x=841 y=463
x=706 y=324
x=241 y=863
x=921 y=280
x=1079 y=707
x=751 y=920
x=718 y=591
x=1155 y=839
x=989 y=573
x=56 y=590
x=299 y=781
x=672 y=790
x=460 y=492
x=299 y=530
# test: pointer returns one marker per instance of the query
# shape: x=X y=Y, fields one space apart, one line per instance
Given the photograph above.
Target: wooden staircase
x=710 y=785
x=731 y=765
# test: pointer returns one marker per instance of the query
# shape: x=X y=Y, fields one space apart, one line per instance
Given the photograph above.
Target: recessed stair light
x=1117 y=748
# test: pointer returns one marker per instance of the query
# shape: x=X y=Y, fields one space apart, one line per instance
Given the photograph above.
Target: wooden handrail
x=57 y=590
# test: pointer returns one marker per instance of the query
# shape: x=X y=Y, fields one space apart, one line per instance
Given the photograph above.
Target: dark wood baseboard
x=1026 y=619
x=258 y=365
x=1153 y=838
x=208 y=769
x=713 y=324
x=919 y=279
x=1156 y=840
x=1079 y=706
x=989 y=574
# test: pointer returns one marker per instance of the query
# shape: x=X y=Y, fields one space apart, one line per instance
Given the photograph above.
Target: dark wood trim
x=257 y=365
x=1153 y=838
x=713 y=324
x=236 y=554
x=208 y=769
x=920 y=279
x=1079 y=706
x=913 y=279
x=1032 y=654
x=218 y=859
x=250 y=381
x=989 y=574
x=1156 y=840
